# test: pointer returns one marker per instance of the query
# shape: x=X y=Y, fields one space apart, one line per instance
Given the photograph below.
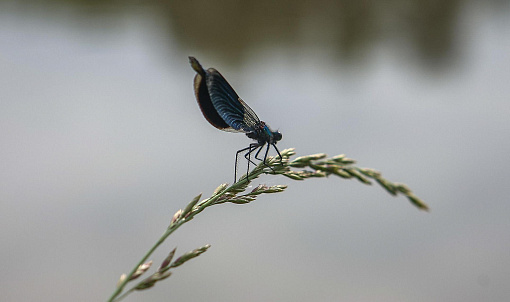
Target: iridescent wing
x=220 y=104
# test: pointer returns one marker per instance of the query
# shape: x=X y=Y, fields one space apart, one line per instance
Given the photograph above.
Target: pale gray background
x=102 y=141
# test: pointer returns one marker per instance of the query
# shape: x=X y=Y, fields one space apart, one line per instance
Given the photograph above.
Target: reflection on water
x=346 y=29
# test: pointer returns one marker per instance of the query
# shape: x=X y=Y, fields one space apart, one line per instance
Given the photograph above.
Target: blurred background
x=102 y=141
